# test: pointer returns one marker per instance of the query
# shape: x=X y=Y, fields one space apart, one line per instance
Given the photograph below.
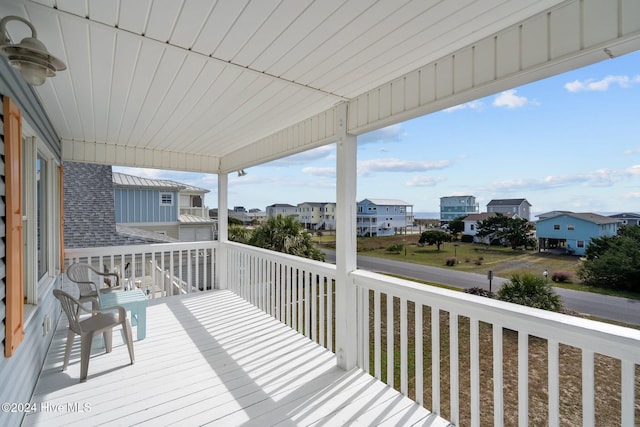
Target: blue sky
x=570 y=142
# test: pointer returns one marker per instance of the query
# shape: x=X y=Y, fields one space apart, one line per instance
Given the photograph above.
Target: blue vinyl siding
x=583 y=231
x=143 y=206
x=19 y=373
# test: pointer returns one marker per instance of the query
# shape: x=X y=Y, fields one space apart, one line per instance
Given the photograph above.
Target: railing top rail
x=304 y=263
x=602 y=338
x=125 y=250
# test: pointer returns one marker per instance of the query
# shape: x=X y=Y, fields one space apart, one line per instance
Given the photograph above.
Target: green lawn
x=477 y=258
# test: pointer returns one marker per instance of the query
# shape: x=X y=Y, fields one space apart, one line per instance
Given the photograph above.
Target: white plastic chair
x=102 y=321
x=81 y=275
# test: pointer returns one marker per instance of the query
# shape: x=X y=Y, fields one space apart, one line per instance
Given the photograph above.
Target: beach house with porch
x=272 y=339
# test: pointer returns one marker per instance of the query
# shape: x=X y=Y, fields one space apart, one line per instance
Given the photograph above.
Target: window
x=571 y=227
x=41 y=215
x=556 y=226
x=166 y=199
x=41 y=195
x=580 y=243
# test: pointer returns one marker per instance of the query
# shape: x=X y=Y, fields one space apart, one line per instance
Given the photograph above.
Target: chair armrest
x=122 y=312
x=104 y=274
x=116 y=275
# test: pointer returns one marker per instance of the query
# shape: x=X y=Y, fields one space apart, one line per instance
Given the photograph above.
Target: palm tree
x=285 y=234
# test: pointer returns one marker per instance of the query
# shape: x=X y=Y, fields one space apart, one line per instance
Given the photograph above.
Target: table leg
x=142 y=322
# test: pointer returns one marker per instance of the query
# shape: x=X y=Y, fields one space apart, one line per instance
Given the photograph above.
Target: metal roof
x=124 y=180
x=217 y=86
x=387 y=202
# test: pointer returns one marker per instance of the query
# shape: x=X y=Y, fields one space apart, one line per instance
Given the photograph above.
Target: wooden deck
x=213 y=358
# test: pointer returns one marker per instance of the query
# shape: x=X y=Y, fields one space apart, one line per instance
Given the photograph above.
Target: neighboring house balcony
x=241 y=335
x=202 y=212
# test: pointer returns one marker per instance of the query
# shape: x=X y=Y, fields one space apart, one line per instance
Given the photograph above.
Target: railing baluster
x=627 y=391
x=404 y=348
x=454 y=365
x=475 y=371
x=419 y=357
x=498 y=377
x=390 y=339
x=377 y=340
x=307 y=304
x=523 y=379
x=435 y=360
x=322 y=284
x=330 y=323
x=364 y=327
x=588 y=389
x=313 y=283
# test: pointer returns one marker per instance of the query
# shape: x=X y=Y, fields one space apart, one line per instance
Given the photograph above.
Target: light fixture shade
x=30 y=57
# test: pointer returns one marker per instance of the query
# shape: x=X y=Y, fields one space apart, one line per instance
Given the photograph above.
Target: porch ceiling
x=183 y=84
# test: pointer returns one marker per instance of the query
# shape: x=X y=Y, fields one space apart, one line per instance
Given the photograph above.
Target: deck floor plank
x=214 y=359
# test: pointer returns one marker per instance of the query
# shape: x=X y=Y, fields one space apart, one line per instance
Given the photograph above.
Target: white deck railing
x=297 y=291
x=160 y=269
x=480 y=361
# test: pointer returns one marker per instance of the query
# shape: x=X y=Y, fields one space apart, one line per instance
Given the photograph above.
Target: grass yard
x=477 y=258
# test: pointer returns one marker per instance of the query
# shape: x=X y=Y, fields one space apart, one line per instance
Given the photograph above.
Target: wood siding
x=134 y=206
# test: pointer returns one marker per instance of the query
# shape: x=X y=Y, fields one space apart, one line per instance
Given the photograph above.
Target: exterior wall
x=380 y=220
x=456 y=206
x=576 y=232
x=522 y=210
x=19 y=373
x=629 y=219
x=284 y=210
x=136 y=206
x=196 y=233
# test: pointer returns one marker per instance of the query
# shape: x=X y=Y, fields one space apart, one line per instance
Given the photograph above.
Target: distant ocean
x=426 y=215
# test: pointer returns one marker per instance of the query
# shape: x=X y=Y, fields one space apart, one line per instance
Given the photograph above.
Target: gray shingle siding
x=89 y=215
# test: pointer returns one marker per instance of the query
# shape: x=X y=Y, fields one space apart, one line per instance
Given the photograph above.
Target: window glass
x=41 y=215
x=166 y=199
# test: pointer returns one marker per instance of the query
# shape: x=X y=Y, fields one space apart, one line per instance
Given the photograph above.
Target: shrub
x=561 y=276
x=478 y=261
x=531 y=291
x=396 y=248
x=480 y=292
x=466 y=238
x=451 y=261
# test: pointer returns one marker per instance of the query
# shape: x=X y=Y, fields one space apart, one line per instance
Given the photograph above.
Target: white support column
x=346 y=262
x=223 y=230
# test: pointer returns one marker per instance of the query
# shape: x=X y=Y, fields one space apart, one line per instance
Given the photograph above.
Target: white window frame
x=161 y=198
x=36 y=288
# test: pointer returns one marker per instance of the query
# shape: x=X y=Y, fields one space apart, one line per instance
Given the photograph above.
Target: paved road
x=614 y=308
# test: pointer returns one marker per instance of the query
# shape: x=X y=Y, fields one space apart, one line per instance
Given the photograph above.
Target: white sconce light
x=242 y=172
x=30 y=57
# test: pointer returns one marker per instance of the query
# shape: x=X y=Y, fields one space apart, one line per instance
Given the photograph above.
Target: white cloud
x=329 y=172
x=633 y=195
x=424 y=181
x=366 y=167
x=601 y=85
x=509 y=99
x=633 y=170
x=632 y=150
